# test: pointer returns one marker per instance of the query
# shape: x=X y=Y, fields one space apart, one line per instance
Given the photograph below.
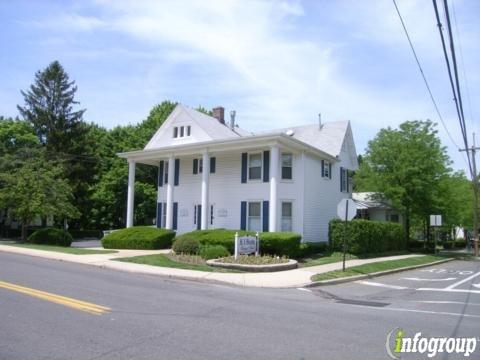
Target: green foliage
x=275 y=243
x=34 y=187
x=366 y=237
x=208 y=252
x=51 y=236
x=139 y=237
x=310 y=249
x=186 y=245
x=16 y=134
x=406 y=166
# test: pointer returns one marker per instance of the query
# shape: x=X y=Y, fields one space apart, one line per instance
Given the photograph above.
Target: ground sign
x=245 y=245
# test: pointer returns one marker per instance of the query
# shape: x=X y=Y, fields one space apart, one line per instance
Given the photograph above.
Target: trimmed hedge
x=51 y=236
x=367 y=237
x=139 y=238
x=275 y=243
x=186 y=245
x=208 y=252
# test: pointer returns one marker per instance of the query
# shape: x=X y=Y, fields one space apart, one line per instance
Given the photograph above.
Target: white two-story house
x=213 y=174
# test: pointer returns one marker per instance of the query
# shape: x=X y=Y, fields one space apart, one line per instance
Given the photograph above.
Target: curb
x=373 y=275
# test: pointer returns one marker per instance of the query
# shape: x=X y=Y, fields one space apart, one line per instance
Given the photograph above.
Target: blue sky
x=277 y=63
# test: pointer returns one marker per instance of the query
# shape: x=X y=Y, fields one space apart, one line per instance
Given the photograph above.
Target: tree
x=49 y=108
x=34 y=187
x=406 y=166
x=16 y=134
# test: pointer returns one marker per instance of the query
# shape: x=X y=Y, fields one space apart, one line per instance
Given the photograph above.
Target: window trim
x=248 y=214
x=344 y=180
x=281 y=166
x=260 y=154
x=291 y=202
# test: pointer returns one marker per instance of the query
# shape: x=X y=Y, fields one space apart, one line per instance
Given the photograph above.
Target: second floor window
x=182 y=131
x=287 y=160
x=255 y=167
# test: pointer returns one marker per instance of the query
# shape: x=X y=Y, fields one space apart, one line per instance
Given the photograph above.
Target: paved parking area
x=451 y=288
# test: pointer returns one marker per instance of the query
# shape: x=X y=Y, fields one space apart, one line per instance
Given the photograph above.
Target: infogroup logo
x=397 y=343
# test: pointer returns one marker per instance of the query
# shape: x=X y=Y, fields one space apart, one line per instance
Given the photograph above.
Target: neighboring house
x=8 y=222
x=370 y=208
x=216 y=175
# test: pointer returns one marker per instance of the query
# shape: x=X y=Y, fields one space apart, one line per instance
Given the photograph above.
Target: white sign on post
x=435 y=220
x=346 y=209
x=245 y=245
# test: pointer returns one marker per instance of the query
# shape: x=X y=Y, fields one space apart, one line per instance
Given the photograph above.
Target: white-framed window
x=200 y=165
x=254 y=216
x=175 y=132
x=287 y=211
x=326 y=168
x=287 y=166
x=165 y=173
x=189 y=130
x=182 y=131
x=255 y=166
x=164 y=216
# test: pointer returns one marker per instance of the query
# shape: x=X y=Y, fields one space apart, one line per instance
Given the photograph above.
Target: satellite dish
x=289 y=132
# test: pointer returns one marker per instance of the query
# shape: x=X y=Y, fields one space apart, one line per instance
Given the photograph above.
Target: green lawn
x=61 y=249
x=375 y=267
x=165 y=261
x=322 y=259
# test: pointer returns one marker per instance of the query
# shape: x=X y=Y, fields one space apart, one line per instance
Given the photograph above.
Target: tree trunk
x=24 y=231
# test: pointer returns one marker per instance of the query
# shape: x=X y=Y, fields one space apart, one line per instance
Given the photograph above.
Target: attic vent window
x=182 y=131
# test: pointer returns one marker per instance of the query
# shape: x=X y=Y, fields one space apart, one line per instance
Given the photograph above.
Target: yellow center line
x=57 y=299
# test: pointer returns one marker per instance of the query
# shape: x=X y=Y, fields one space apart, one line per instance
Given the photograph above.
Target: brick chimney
x=219 y=114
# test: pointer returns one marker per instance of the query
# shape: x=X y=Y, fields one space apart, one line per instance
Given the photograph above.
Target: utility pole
x=473 y=150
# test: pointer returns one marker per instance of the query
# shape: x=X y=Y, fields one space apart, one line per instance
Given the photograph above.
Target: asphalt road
x=157 y=318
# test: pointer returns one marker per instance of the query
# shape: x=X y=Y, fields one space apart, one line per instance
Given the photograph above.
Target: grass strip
x=165 y=261
x=62 y=249
x=376 y=267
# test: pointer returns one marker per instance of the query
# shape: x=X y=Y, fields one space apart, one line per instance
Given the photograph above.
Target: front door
x=197 y=216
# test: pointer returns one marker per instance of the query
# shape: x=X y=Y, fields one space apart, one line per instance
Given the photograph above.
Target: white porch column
x=205 y=186
x=171 y=173
x=131 y=192
x=274 y=161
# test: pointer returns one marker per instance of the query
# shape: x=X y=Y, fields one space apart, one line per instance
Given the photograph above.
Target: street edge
x=373 y=275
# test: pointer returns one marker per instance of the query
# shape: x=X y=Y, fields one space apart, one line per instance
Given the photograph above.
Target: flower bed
x=255 y=263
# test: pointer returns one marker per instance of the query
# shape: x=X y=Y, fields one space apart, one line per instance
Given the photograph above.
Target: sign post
x=435 y=221
x=346 y=210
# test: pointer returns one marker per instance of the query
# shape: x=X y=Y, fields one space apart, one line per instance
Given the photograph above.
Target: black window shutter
x=244 y=167
x=199 y=217
x=266 y=166
x=329 y=170
x=213 y=163
x=160 y=173
x=323 y=168
x=195 y=166
x=175 y=215
x=176 y=178
x=341 y=179
x=265 y=214
x=159 y=215
x=243 y=216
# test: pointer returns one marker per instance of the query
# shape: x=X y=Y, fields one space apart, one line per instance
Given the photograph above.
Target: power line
x=454 y=90
x=425 y=79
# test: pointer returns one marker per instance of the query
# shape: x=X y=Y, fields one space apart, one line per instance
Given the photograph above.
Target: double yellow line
x=57 y=299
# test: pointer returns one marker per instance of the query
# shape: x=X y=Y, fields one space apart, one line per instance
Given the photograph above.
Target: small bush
x=213 y=252
x=186 y=245
x=275 y=243
x=139 y=237
x=51 y=236
x=311 y=248
x=367 y=237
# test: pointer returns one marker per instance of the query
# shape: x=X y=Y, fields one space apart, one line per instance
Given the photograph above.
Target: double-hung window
x=343 y=179
x=286 y=216
x=287 y=160
x=255 y=167
x=254 y=216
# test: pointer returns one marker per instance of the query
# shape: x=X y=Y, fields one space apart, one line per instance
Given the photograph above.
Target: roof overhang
x=152 y=156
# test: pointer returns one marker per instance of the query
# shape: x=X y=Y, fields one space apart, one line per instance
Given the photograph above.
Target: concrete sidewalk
x=290 y=278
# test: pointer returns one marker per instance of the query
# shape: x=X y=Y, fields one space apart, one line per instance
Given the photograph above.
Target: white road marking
x=304 y=289
x=371 y=283
x=429 y=312
x=452 y=286
x=420 y=279
x=445 y=302
x=450 y=290
x=477 y=285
